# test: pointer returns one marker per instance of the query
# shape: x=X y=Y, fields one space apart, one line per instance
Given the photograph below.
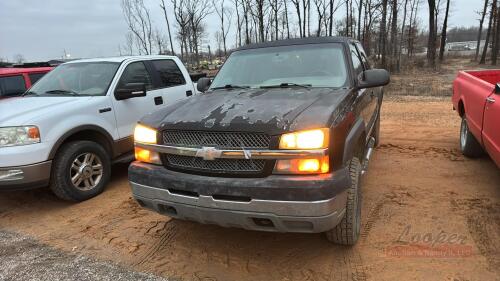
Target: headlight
x=311 y=139
x=22 y=135
x=144 y=134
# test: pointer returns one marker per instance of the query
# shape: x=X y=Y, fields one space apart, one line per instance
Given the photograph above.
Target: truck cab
x=277 y=141
x=76 y=121
x=15 y=81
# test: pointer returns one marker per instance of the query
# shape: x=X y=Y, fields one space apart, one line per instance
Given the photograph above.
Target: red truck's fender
x=474 y=96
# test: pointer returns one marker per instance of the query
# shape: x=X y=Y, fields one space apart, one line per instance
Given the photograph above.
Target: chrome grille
x=215 y=166
x=220 y=140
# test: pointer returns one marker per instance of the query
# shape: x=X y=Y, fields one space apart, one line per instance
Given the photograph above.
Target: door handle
x=490 y=100
x=189 y=93
x=158 y=100
x=107 y=109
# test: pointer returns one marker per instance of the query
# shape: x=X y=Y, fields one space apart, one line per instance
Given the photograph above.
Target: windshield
x=81 y=78
x=315 y=65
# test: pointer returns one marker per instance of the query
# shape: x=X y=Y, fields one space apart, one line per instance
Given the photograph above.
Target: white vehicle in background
x=67 y=130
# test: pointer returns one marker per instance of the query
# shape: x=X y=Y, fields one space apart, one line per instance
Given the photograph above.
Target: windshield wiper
x=61 y=91
x=287 y=85
x=231 y=86
x=28 y=93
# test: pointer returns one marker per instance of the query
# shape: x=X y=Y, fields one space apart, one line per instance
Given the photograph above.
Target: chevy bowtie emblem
x=208 y=153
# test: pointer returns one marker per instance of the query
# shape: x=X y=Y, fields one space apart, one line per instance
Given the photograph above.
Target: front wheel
x=469 y=146
x=347 y=231
x=80 y=171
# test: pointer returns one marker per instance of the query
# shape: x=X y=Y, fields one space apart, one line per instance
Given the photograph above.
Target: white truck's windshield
x=315 y=65
x=81 y=78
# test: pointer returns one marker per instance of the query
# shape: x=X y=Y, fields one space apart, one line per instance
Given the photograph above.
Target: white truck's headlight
x=22 y=135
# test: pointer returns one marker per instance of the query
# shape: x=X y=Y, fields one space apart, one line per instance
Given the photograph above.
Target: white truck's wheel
x=80 y=171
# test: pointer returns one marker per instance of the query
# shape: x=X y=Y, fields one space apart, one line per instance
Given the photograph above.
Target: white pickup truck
x=67 y=130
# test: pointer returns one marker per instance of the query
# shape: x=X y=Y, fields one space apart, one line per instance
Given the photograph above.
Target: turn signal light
x=303 y=166
x=147 y=156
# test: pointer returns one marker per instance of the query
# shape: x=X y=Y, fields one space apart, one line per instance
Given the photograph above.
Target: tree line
x=390 y=30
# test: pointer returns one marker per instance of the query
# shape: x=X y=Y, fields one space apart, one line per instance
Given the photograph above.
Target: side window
x=12 y=85
x=356 y=61
x=35 y=77
x=169 y=72
x=135 y=73
x=364 y=58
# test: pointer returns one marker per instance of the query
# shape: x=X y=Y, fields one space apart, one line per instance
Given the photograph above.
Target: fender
x=81 y=128
x=357 y=131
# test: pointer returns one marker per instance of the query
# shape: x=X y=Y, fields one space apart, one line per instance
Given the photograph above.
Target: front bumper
x=25 y=177
x=281 y=203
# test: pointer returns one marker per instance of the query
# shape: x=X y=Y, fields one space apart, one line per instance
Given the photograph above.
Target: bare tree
x=443 y=32
x=479 y=34
x=394 y=33
x=488 y=32
x=383 y=34
x=296 y=4
x=18 y=58
x=225 y=15
x=197 y=11
x=164 y=8
x=431 y=43
x=182 y=19
x=138 y=20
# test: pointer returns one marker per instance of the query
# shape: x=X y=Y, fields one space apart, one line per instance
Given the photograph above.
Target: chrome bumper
x=256 y=214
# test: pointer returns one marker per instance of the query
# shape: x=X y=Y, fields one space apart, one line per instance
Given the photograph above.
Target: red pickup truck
x=15 y=81
x=476 y=97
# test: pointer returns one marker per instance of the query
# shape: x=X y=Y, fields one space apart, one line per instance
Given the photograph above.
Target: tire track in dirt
x=452 y=154
x=351 y=266
x=373 y=217
x=169 y=232
x=481 y=214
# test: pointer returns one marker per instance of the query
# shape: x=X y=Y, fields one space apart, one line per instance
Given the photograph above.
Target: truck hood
x=266 y=110
x=25 y=110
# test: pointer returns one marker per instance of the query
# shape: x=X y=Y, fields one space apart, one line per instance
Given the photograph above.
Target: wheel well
x=360 y=147
x=461 y=108
x=87 y=135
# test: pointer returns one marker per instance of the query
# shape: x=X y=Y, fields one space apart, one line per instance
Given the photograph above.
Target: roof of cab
x=20 y=70
x=298 y=41
x=122 y=59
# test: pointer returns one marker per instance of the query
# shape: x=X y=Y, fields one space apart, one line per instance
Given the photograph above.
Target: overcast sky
x=43 y=29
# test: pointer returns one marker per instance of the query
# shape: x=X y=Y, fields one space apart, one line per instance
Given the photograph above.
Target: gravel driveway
x=22 y=258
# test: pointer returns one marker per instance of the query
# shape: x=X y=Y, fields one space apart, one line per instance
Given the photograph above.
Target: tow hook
x=366 y=159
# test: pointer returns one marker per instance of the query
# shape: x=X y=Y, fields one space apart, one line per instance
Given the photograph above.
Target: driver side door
x=129 y=111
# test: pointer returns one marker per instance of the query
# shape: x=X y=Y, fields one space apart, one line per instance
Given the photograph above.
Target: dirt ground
x=428 y=214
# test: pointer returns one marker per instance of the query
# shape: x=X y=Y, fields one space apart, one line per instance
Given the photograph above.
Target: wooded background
x=390 y=30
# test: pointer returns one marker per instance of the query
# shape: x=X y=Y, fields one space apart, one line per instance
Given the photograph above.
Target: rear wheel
x=347 y=231
x=468 y=144
x=80 y=171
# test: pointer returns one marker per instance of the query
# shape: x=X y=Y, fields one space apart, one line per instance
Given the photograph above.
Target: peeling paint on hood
x=268 y=110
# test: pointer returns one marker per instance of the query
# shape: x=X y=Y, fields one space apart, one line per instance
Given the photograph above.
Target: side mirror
x=374 y=78
x=497 y=88
x=203 y=84
x=130 y=90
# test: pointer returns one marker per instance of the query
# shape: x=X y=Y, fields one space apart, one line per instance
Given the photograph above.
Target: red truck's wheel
x=347 y=231
x=468 y=144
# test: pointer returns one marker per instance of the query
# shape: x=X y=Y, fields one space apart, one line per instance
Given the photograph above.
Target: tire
x=376 y=131
x=348 y=230
x=87 y=163
x=469 y=146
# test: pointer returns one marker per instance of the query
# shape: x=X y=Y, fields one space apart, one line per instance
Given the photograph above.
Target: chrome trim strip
x=211 y=153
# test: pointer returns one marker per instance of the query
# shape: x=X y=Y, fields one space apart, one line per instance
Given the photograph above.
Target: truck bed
x=489 y=76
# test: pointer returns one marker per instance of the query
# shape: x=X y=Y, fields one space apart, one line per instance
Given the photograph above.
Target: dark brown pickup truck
x=278 y=141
